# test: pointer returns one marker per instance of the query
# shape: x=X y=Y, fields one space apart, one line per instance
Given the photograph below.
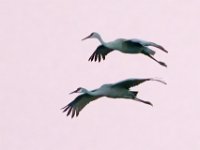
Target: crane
x=117 y=90
x=129 y=46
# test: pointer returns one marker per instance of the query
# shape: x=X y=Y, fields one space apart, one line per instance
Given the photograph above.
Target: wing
x=100 y=53
x=132 y=43
x=134 y=82
x=157 y=46
x=147 y=43
x=78 y=104
x=137 y=46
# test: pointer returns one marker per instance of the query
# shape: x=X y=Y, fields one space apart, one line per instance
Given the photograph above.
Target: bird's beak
x=87 y=37
x=73 y=92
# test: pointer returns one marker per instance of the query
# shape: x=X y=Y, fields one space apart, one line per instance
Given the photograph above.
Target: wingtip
x=165 y=50
x=65 y=108
x=158 y=80
x=161 y=48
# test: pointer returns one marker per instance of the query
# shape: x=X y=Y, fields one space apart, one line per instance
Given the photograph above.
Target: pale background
x=42 y=59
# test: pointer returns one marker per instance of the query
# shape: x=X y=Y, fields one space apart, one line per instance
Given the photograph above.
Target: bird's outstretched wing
x=134 y=82
x=78 y=104
x=147 y=43
x=100 y=53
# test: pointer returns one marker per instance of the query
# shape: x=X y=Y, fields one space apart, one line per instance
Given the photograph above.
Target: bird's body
x=108 y=90
x=116 y=90
x=116 y=44
x=129 y=46
x=121 y=46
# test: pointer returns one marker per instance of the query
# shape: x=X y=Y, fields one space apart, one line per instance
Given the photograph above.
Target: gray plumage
x=129 y=46
x=116 y=90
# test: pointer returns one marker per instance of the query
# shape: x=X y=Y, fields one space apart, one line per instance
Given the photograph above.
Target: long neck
x=93 y=92
x=85 y=91
x=100 y=40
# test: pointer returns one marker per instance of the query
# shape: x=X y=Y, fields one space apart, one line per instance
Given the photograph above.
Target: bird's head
x=79 y=90
x=92 y=35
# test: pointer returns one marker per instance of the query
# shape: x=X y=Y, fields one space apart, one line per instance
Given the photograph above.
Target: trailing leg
x=146 y=102
x=160 y=62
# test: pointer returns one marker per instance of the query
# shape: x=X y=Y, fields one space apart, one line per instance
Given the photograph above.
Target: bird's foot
x=149 y=103
x=162 y=63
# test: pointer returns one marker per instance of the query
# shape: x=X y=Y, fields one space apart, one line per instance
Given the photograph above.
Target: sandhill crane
x=130 y=46
x=117 y=90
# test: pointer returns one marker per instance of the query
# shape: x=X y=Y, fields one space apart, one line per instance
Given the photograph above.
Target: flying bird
x=129 y=46
x=117 y=90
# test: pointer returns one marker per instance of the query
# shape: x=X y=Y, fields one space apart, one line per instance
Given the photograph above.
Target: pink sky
x=42 y=59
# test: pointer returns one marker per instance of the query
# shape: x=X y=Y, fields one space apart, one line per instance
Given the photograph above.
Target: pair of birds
x=120 y=89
